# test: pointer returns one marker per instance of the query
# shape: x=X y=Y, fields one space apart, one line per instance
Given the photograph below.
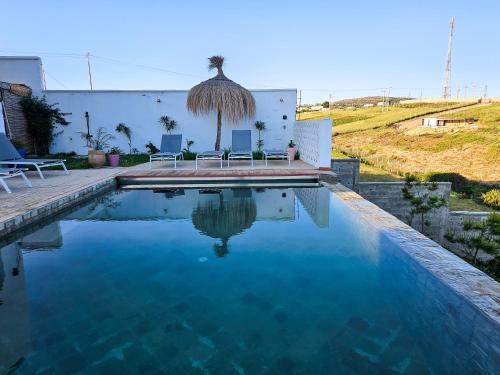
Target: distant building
x=368 y=105
x=433 y=122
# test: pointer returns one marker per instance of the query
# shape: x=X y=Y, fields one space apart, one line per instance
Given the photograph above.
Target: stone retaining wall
x=389 y=197
x=455 y=226
x=347 y=171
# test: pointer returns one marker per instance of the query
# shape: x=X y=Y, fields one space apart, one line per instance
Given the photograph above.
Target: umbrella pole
x=219 y=126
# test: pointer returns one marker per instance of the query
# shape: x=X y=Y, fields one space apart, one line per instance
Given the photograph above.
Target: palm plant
x=260 y=126
x=99 y=141
x=127 y=132
x=222 y=95
x=168 y=123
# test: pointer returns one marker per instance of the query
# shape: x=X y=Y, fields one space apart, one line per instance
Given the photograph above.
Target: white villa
x=141 y=109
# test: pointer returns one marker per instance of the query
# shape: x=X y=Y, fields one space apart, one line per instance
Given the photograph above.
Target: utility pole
x=87 y=55
x=485 y=92
x=465 y=91
x=458 y=93
x=383 y=99
x=447 y=67
x=388 y=98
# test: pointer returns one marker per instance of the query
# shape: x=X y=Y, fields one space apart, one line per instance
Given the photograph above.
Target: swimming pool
x=228 y=281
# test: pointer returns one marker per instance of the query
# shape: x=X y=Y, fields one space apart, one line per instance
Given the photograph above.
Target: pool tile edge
x=465 y=280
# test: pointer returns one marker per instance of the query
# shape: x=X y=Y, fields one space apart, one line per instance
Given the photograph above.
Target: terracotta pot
x=114 y=160
x=97 y=158
x=291 y=153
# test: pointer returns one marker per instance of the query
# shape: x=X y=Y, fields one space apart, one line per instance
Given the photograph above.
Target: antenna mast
x=447 y=68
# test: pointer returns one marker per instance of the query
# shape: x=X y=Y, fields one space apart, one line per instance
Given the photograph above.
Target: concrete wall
x=141 y=110
x=22 y=69
x=347 y=171
x=314 y=141
x=388 y=196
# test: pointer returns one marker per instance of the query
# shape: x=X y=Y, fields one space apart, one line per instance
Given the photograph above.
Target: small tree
x=189 y=143
x=127 y=132
x=480 y=235
x=422 y=202
x=42 y=119
x=151 y=147
x=326 y=104
x=168 y=123
x=260 y=126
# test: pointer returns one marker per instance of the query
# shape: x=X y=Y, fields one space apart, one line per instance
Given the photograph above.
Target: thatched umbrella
x=231 y=101
x=224 y=220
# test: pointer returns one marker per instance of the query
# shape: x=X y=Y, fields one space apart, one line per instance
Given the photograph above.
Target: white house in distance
x=141 y=110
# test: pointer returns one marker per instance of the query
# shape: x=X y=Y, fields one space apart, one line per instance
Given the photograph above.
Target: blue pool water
x=233 y=281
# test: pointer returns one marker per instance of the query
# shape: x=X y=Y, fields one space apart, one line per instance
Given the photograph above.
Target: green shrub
x=459 y=183
x=42 y=119
x=491 y=198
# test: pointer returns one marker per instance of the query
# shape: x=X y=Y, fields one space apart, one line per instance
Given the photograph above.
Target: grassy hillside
x=408 y=147
x=359 y=119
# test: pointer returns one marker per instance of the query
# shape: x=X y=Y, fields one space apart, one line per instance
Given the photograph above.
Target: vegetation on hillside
x=473 y=152
x=467 y=157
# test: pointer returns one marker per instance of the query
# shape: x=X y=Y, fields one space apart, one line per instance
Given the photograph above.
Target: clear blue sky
x=341 y=48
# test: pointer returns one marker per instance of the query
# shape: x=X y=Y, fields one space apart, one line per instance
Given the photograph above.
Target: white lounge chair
x=241 y=147
x=12 y=172
x=10 y=157
x=276 y=154
x=210 y=155
x=170 y=149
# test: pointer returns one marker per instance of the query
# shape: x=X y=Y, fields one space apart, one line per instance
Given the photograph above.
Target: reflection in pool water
x=130 y=283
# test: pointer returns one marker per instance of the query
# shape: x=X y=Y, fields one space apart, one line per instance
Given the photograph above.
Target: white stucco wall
x=141 y=110
x=314 y=141
x=22 y=69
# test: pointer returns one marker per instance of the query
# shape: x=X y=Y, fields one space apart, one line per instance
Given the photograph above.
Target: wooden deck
x=201 y=173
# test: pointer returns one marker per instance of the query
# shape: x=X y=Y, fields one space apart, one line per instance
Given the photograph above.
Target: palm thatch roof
x=224 y=220
x=219 y=93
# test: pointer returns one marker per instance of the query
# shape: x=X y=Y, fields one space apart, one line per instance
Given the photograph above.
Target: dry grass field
x=401 y=146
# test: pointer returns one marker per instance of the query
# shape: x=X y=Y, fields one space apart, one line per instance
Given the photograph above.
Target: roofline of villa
x=149 y=90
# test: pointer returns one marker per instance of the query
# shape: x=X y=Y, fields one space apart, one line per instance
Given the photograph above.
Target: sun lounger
x=276 y=154
x=12 y=172
x=170 y=149
x=241 y=147
x=210 y=155
x=10 y=157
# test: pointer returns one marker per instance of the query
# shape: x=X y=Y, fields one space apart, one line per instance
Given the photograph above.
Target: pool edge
x=470 y=283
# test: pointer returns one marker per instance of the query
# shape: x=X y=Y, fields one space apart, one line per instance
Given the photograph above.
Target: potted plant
x=114 y=157
x=291 y=150
x=260 y=126
x=97 y=144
